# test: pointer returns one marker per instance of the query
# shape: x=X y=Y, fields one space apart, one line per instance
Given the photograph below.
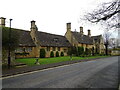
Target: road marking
x=34 y=71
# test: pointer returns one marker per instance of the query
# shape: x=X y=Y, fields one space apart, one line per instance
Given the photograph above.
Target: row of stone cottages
x=32 y=41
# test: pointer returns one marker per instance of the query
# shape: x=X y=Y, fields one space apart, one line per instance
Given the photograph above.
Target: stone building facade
x=87 y=41
x=31 y=41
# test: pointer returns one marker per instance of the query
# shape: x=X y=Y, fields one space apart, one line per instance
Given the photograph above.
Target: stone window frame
x=58 y=48
x=19 y=49
x=28 y=49
x=65 y=50
x=48 y=48
x=54 y=48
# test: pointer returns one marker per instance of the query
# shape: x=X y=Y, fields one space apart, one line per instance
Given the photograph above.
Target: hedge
x=61 y=54
x=57 y=54
x=42 y=53
x=51 y=54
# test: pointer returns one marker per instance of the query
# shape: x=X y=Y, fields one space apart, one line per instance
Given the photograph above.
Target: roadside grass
x=31 y=61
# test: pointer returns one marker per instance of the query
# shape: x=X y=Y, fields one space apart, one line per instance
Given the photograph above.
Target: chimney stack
x=32 y=23
x=2 y=21
x=68 y=26
x=33 y=26
x=81 y=30
x=89 y=33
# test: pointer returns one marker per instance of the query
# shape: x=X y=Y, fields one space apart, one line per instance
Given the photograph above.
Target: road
x=100 y=73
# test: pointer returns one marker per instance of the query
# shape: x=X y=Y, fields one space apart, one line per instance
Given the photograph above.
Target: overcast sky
x=50 y=15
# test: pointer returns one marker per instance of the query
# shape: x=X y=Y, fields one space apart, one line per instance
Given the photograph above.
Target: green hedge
x=42 y=53
x=57 y=54
x=61 y=54
x=51 y=54
x=80 y=50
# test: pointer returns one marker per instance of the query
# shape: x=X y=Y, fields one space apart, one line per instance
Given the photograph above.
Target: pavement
x=100 y=74
x=26 y=69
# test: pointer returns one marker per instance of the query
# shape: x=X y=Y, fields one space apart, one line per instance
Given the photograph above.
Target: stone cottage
x=87 y=41
x=31 y=41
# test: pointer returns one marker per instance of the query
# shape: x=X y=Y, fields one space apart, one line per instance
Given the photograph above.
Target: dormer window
x=55 y=39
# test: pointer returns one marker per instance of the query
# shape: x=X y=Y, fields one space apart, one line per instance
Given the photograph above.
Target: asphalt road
x=100 y=73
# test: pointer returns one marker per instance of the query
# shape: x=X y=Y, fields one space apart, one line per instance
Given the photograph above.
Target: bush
x=42 y=53
x=86 y=51
x=80 y=50
x=57 y=54
x=62 y=54
x=51 y=54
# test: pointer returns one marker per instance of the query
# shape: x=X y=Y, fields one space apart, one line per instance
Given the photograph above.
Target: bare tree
x=106 y=37
x=107 y=12
x=107 y=15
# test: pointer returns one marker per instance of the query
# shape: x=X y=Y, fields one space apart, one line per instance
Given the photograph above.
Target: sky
x=50 y=15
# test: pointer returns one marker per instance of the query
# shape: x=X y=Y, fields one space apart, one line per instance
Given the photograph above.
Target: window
x=58 y=48
x=28 y=49
x=56 y=39
x=20 y=49
x=54 y=48
x=48 y=48
x=65 y=50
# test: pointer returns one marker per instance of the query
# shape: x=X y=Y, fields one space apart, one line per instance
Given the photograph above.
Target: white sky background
x=50 y=15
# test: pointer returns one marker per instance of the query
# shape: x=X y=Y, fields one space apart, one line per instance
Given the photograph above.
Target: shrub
x=62 y=54
x=86 y=51
x=89 y=51
x=51 y=54
x=57 y=54
x=73 y=51
x=42 y=53
x=80 y=50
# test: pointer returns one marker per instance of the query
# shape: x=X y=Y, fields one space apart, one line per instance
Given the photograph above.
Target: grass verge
x=31 y=61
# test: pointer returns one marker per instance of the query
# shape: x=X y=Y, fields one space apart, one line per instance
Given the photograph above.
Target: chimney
x=32 y=23
x=81 y=30
x=68 y=26
x=89 y=33
x=33 y=26
x=2 y=21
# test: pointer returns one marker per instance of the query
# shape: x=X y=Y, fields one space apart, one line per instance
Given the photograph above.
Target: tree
x=14 y=42
x=14 y=39
x=106 y=41
x=93 y=51
x=107 y=15
x=113 y=42
x=106 y=12
x=42 y=53
x=72 y=51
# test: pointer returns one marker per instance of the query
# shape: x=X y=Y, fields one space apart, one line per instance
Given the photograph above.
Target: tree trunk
x=106 y=49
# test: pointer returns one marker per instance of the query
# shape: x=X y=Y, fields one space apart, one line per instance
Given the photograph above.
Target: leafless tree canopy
x=107 y=12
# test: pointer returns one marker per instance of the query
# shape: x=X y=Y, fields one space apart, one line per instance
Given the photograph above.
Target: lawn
x=31 y=61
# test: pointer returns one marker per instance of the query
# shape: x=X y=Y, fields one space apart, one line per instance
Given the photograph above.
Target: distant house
x=30 y=42
x=99 y=44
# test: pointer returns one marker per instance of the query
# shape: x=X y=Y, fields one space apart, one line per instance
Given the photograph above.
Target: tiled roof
x=47 y=39
x=24 y=38
x=84 y=39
